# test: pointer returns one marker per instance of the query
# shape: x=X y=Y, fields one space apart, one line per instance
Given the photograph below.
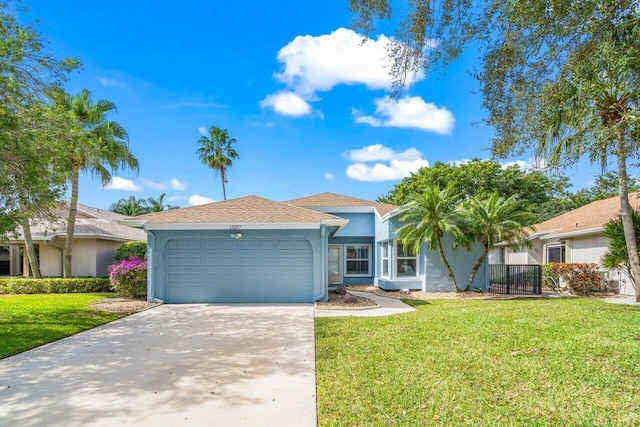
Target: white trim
x=574 y=233
x=388 y=258
x=395 y=257
x=369 y=261
x=229 y=226
x=340 y=264
x=341 y=209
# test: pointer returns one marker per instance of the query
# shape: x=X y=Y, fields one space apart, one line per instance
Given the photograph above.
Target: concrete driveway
x=173 y=365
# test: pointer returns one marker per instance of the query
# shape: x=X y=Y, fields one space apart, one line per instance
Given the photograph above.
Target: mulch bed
x=123 y=305
x=336 y=302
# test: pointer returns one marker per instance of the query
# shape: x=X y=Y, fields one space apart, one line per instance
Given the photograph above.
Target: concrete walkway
x=622 y=299
x=173 y=365
x=388 y=306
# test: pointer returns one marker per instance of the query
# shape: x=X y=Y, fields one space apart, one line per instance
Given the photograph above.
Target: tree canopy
x=536 y=192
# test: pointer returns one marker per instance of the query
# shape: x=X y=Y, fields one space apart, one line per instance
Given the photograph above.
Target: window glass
x=384 y=249
x=556 y=253
x=357 y=261
x=406 y=262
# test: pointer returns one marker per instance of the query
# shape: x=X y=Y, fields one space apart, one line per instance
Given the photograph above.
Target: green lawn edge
x=29 y=321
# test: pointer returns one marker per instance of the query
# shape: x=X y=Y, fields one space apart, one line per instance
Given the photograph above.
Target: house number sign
x=235 y=227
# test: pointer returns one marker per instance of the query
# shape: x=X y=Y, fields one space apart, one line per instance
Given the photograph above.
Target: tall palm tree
x=596 y=110
x=129 y=206
x=96 y=145
x=427 y=218
x=217 y=153
x=494 y=220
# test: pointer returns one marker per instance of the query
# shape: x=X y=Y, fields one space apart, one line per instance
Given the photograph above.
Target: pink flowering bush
x=129 y=277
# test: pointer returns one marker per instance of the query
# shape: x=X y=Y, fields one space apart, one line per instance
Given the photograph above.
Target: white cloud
x=287 y=103
x=399 y=164
x=118 y=183
x=534 y=163
x=202 y=130
x=409 y=112
x=395 y=170
x=177 y=185
x=112 y=82
x=197 y=199
x=313 y=64
x=328 y=176
x=154 y=185
x=319 y=63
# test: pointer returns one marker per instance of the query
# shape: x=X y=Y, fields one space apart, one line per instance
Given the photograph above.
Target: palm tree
x=427 y=218
x=157 y=205
x=596 y=111
x=494 y=220
x=129 y=206
x=217 y=153
x=96 y=145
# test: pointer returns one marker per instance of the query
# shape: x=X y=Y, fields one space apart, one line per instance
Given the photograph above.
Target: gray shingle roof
x=245 y=210
x=90 y=222
x=329 y=200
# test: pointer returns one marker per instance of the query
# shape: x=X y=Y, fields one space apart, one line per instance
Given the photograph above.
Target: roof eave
x=239 y=226
x=578 y=233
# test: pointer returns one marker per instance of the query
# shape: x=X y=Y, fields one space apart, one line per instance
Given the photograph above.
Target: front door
x=334 y=261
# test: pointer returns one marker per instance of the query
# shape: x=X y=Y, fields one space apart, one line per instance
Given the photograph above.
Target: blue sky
x=288 y=79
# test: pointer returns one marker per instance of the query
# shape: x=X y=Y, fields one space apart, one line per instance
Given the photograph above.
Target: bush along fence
x=53 y=285
x=582 y=279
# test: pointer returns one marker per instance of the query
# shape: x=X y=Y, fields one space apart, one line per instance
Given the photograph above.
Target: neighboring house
x=97 y=236
x=252 y=249
x=573 y=237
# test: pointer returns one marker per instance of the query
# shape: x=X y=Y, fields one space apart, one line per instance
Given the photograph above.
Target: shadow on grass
x=415 y=302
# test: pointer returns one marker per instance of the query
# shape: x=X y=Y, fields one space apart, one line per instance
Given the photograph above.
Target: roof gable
x=243 y=210
x=332 y=200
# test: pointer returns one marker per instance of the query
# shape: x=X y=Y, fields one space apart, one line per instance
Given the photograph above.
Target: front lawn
x=27 y=321
x=456 y=362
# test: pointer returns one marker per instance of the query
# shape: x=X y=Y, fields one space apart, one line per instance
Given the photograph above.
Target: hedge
x=51 y=285
x=131 y=249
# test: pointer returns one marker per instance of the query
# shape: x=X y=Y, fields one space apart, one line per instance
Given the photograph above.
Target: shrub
x=129 y=277
x=131 y=249
x=549 y=278
x=582 y=279
x=53 y=285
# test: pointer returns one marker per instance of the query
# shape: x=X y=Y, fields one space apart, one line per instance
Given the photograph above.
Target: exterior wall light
x=236 y=235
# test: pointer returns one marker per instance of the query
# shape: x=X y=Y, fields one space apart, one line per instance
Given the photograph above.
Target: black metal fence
x=515 y=279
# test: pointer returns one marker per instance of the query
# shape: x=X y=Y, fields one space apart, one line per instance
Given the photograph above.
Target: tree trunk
x=71 y=222
x=476 y=266
x=452 y=277
x=625 y=213
x=224 y=192
x=30 y=248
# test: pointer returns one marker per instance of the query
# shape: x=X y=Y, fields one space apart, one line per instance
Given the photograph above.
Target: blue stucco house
x=252 y=249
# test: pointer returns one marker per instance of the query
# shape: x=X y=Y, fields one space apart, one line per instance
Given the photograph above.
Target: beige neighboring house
x=97 y=236
x=575 y=236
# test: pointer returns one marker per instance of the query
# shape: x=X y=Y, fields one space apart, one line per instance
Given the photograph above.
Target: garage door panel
x=244 y=270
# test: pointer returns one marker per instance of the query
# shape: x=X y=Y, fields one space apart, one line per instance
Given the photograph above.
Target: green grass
x=452 y=362
x=27 y=321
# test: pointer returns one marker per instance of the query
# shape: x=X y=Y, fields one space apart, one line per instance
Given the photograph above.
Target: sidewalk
x=388 y=306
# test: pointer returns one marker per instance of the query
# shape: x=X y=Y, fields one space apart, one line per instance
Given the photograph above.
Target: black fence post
x=508 y=280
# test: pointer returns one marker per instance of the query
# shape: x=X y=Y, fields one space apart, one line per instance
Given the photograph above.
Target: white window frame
x=396 y=258
x=386 y=244
x=368 y=259
x=552 y=246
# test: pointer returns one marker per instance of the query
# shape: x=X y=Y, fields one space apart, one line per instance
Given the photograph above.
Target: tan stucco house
x=97 y=237
x=573 y=237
